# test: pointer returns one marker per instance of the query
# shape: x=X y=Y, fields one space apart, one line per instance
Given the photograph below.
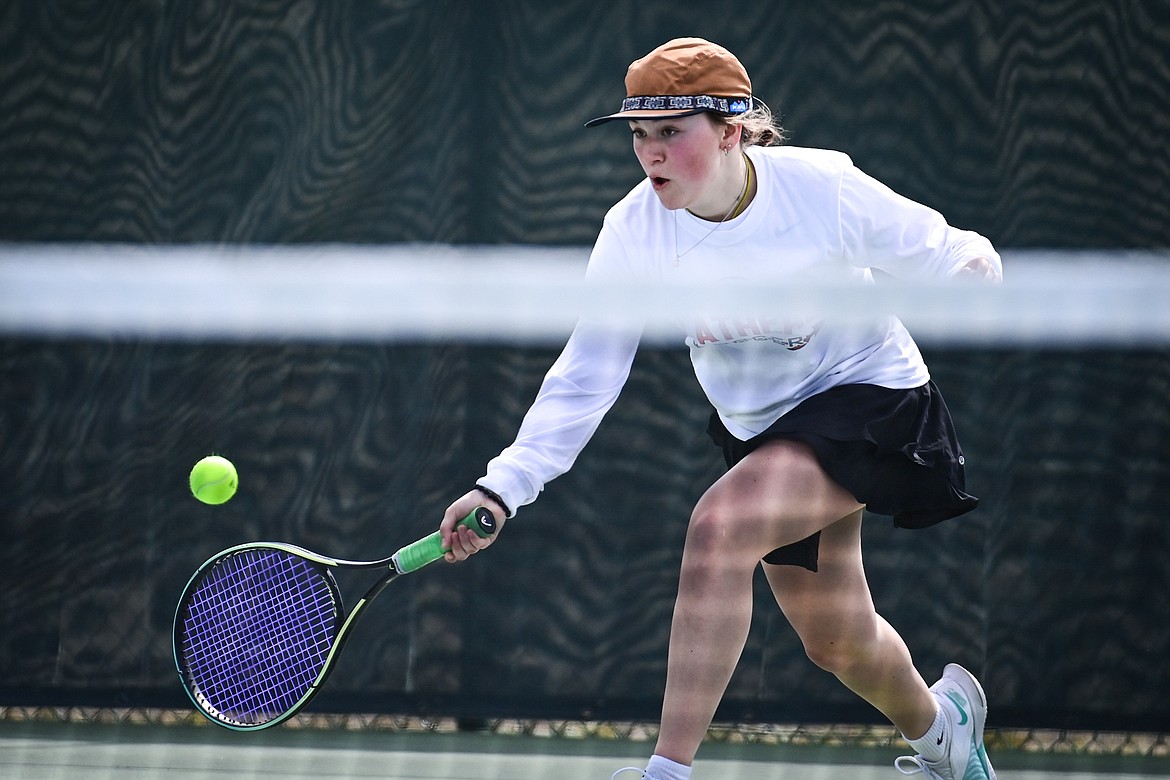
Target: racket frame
x=419 y=553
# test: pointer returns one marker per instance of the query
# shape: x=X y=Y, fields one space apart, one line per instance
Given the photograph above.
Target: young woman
x=816 y=421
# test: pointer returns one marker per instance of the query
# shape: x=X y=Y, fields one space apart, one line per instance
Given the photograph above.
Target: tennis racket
x=260 y=625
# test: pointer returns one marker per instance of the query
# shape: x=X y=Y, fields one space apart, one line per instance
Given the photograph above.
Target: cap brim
x=647 y=113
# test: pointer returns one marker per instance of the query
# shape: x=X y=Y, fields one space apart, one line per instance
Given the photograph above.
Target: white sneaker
x=961 y=698
x=628 y=769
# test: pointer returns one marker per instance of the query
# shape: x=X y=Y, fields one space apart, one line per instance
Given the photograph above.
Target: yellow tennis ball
x=214 y=480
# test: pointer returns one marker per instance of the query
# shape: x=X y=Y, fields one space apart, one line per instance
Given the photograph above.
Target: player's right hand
x=461 y=543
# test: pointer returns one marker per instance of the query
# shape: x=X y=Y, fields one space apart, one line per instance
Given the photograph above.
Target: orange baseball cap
x=682 y=77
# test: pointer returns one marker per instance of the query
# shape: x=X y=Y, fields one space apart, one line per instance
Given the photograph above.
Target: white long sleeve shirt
x=813 y=213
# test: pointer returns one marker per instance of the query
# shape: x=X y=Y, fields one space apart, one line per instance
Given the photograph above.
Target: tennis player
x=816 y=420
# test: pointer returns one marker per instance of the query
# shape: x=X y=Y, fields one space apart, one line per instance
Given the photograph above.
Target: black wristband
x=494 y=496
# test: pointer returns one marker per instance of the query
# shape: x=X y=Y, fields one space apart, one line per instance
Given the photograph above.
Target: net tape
x=531 y=294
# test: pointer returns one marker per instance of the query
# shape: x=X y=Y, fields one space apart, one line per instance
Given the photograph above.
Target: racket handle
x=429 y=549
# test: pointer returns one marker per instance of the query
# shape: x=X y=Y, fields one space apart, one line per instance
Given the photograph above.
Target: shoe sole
x=968 y=682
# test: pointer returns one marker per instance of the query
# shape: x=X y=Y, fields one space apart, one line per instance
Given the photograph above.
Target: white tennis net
x=535 y=294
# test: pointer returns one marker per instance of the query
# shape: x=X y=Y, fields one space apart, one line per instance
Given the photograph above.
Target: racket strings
x=256 y=634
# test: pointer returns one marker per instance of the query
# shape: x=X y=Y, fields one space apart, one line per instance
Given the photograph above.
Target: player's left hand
x=979 y=269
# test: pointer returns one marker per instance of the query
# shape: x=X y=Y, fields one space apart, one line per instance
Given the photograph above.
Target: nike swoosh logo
x=961 y=705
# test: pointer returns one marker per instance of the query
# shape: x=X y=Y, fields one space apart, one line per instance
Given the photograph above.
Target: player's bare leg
x=775 y=496
x=833 y=613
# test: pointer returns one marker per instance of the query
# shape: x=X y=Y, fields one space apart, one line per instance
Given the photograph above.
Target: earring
x=726 y=150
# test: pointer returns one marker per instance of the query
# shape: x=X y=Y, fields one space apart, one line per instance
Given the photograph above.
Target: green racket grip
x=429 y=549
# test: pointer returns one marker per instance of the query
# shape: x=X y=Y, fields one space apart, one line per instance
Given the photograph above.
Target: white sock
x=660 y=768
x=933 y=744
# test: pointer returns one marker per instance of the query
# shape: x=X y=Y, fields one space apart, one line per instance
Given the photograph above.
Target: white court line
x=44 y=757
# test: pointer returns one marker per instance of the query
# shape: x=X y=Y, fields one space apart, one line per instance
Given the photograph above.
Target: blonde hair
x=760 y=127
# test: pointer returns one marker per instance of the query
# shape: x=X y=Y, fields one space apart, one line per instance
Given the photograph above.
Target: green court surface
x=44 y=751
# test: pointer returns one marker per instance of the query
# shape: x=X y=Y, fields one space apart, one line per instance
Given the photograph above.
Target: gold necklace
x=733 y=212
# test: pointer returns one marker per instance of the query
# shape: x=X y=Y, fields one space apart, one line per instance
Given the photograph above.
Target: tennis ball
x=214 y=480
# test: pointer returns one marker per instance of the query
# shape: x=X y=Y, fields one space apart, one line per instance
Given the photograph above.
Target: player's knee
x=838 y=652
x=712 y=531
x=836 y=656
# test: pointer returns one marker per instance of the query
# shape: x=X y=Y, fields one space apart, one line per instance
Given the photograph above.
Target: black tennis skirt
x=895 y=450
